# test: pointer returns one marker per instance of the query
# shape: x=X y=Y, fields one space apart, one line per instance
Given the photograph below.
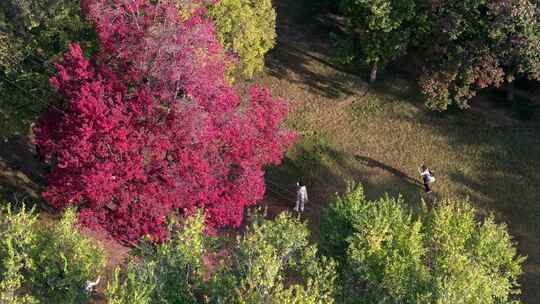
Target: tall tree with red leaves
x=150 y=126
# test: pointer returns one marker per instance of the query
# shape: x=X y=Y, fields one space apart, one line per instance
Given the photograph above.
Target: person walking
x=427 y=177
x=301 y=197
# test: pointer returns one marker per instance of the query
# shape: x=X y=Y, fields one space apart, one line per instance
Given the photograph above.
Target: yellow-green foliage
x=65 y=260
x=256 y=270
x=45 y=264
x=17 y=242
x=168 y=273
x=264 y=258
x=248 y=29
x=440 y=256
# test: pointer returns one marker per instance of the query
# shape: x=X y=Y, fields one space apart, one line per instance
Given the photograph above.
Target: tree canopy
x=388 y=254
x=149 y=125
x=466 y=45
x=33 y=34
x=259 y=268
x=48 y=264
x=479 y=44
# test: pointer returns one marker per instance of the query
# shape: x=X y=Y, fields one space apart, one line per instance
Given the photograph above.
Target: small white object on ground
x=90 y=285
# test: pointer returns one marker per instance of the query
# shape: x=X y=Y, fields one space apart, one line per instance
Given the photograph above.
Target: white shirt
x=427 y=175
x=301 y=194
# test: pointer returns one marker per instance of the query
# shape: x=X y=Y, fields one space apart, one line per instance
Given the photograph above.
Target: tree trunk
x=373 y=75
x=510 y=91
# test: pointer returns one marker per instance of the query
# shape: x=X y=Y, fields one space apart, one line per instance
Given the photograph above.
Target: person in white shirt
x=427 y=177
x=301 y=197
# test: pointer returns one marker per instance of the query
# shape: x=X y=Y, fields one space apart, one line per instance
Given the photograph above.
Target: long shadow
x=504 y=159
x=502 y=170
x=370 y=162
x=328 y=172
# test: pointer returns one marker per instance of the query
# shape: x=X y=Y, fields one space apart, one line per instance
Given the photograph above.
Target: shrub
x=17 y=243
x=64 y=261
x=167 y=273
x=49 y=264
x=266 y=256
x=256 y=270
x=247 y=28
x=438 y=256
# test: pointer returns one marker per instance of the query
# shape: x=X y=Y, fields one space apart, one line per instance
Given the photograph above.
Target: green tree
x=264 y=258
x=33 y=34
x=245 y=28
x=64 y=261
x=393 y=255
x=248 y=29
x=479 y=44
x=17 y=242
x=167 y=273
x=45 y=264
x=385 y=28
x=254 y=270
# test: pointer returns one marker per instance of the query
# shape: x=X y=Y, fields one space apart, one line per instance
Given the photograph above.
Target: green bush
x=167 y=273
x=49 y=264
x=133 y=285
x=390 y=255
x=64 y=261
x=248 y=29
x=17 y=243
x=255 y=270
x=266 y=256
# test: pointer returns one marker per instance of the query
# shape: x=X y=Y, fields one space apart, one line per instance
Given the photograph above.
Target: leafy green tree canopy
x=388 y=254
x=385 y=28
x=33 y=34
x=257 y=269
x=479 y=44
x=245 y=28
x=48 y=264
x=248 y=29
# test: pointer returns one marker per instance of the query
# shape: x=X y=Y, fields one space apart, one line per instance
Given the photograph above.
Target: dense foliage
x=466 y=45
x=34 y=33
x=479 y=44
x=150 y=125
x=171 y=272
x=386 y=29
x=389 y=255
x=17 y=243
x=45 y=264
x=255 y=270
x=248 y=29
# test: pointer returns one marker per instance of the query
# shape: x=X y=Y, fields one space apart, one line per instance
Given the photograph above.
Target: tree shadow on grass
x=21 y=174
x=302 y=52
x=328 y=172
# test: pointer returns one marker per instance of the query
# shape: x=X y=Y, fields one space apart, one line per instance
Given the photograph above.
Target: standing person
x=301 y=197
x=427 y=177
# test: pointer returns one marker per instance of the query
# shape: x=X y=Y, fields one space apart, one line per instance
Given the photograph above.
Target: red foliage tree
x=150 y=125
